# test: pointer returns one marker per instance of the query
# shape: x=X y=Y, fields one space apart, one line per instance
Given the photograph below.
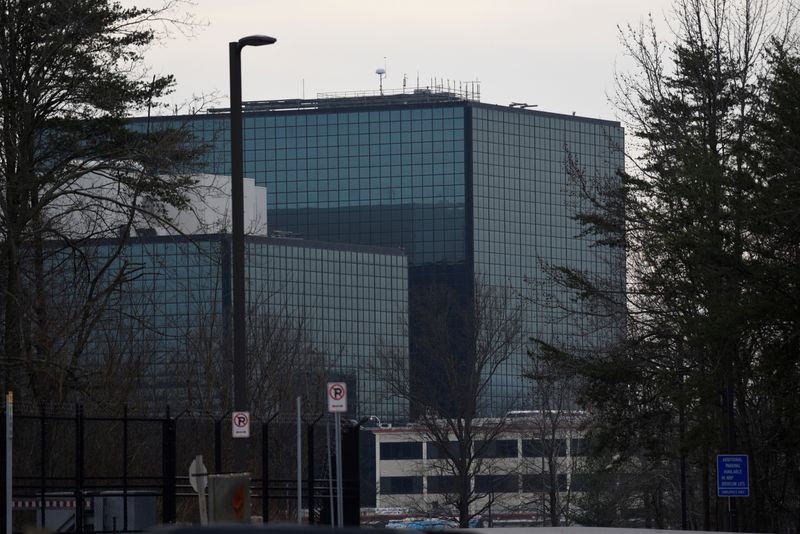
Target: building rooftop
x=468 y=93
x=389 y=97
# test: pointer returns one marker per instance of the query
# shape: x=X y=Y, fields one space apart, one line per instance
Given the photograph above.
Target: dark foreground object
x=268 y=529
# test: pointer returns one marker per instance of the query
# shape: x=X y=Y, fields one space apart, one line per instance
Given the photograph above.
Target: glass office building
x=466 y=189
x=320 y=305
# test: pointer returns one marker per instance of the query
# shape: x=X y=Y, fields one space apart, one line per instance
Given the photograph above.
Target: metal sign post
x=330 y=470
x=339 y=499
x=733 y=480
x=337 y=403
x=300 y=462
x=198 y=478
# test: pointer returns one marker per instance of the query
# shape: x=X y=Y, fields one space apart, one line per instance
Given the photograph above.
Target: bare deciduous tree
x=460 y=344
x=69 y=73
x=552 y=424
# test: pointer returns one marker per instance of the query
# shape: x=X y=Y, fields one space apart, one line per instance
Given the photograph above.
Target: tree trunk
x=463 y=502
x=706 y=493
x=554 y=515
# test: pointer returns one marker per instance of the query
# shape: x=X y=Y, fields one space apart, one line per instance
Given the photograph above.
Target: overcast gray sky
x=559 y=54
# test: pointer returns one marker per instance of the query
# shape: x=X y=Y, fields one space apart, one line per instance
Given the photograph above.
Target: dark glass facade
x=523 y=203
x=466 y=189
x=391 y=178
x=344 y=300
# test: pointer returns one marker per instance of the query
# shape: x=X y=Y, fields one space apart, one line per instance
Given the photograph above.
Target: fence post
x=311 y=470
x=7 y=487
x=265 y=470
x=3 y=497
x=351 y=477
x=310 y=467
x=218 y=446
x=43 y=460
x=79 y=468
x=125 y=468
x=168 y=469
x=265 y=467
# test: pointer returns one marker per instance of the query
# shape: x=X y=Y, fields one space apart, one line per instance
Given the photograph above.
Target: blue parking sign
x=732 y=475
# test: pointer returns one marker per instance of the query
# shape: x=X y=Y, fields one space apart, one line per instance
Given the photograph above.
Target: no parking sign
x=337 y=397
x=240 y=424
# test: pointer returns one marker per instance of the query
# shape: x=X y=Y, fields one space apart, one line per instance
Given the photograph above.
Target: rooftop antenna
x=405 y=79
x=381 y=72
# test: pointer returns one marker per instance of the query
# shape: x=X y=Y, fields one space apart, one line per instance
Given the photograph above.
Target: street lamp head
x=256 y=40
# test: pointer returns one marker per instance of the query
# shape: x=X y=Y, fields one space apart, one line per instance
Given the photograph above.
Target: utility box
x=104 y=512
x=111 y=514
x=59 y=513
x=229 y=498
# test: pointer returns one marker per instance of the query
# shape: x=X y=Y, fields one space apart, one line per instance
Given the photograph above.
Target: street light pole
x=240 y=401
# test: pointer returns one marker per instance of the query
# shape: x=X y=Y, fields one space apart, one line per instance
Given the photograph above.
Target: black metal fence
x=71 y=460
